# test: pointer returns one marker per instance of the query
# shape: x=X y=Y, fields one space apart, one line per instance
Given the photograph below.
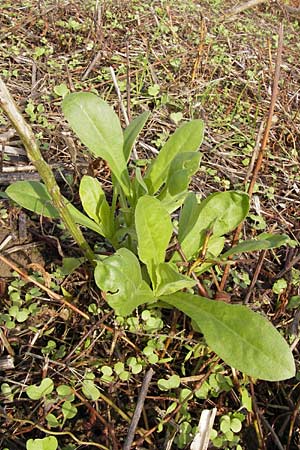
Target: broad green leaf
x=243 y=339
x=98 y=127
x=132 y=131
x=186 y=138
x=154 y=230
x=119 y=277
x=46 y=443
x=219 y=214
x=34 y=196
x=263 y=242
x=189 y=215
x=82 y=219
x=95 y=204
x=35 y=392
x=182 y=168
x=169 y=280
x=140 y=184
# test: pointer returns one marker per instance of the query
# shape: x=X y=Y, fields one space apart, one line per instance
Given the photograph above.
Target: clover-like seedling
x=47 y=443
x=119 y=369
x=36 y=392
x=171 y=383
x=135 y=365
x=89 y=388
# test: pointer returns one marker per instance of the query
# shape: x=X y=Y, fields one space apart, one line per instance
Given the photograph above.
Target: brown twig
x=255 y=276
x=292 y=423
x=263 y=143
x=272 y=432
x=242 y=7
x=91 y=65
x=288 y=266
x=138 y=410
x=258 y=427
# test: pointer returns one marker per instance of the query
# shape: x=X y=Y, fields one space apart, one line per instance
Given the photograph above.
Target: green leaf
x=70 y=264
x=169 y=280
x=34 y=196
x=219 y=213
x=279 y=286
x=69 y=411
x=236 y=425
x=61 y=90
x=22 y=315
x=182 y=168
x=243 y=339
x=95 y=204
x=82 y=219
x=119 y=367
x=98 y=127
x=132 y=131
x=263 y=241
x=154 y=230
x=176 y=117
x=246 y=399
x=154 y=90
x=186 y=138
x=52 y=420
x=225 y=424
x=171 y=383
x=119 y=276
x=90 y=390
x=139 y=186
x=47 y=443
x=294 y=302
x=36 y=392
x=65 y=391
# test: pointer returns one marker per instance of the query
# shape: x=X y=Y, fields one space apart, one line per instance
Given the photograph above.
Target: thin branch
x=242 y=7
x=138 y=410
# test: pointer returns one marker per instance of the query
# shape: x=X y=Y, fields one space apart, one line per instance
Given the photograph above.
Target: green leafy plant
x=36 y=392
x=21 y=305
x=46 y=443
x=228 y=435
x=158 y=253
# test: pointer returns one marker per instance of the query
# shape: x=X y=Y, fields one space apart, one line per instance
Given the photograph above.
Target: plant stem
x=33 y=152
